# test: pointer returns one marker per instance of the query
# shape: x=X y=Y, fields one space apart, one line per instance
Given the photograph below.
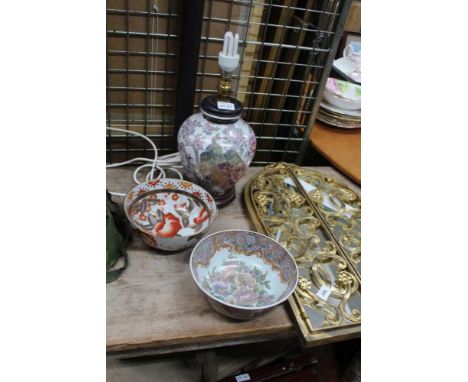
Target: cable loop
x=170 y=161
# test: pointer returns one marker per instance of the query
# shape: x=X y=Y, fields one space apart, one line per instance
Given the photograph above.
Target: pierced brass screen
x=318 y=220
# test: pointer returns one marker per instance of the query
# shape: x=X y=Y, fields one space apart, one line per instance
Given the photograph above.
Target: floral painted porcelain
x=216 y=147
x=343 y=94
x=170 y=214
x=243 y=273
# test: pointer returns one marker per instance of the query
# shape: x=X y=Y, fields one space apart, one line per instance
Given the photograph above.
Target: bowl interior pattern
x=170 y=208
x=170 y=213
x=244 y=269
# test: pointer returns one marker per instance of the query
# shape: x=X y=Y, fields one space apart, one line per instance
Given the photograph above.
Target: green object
x=117 y=237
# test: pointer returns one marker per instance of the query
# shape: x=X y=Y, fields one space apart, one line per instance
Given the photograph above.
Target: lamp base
x=225 y=198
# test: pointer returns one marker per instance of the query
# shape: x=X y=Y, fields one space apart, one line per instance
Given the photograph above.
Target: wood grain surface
x=155 y=307
x=341 y=147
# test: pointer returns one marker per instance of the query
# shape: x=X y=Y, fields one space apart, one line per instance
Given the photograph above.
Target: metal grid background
x=286 y=53
x=142 y=62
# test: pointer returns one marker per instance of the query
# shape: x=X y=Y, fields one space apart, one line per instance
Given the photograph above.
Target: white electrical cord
x=171 y=161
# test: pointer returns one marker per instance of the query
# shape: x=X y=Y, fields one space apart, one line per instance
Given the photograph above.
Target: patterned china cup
x=243 y=273
x=353 y=52
x=170 y=214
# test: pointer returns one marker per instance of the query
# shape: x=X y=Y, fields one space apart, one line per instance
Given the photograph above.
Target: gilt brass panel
x=318 y=220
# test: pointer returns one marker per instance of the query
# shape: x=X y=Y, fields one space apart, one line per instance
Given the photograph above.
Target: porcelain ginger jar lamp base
x=216 y=147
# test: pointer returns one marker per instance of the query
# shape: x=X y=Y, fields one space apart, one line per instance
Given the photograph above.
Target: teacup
x=353 y=51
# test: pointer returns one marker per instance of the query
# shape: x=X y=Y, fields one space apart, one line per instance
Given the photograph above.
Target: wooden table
x=341 y=147
x=155 y=307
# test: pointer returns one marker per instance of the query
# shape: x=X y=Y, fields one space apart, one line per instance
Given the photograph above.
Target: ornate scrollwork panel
x=340 y=208
x=319 y=223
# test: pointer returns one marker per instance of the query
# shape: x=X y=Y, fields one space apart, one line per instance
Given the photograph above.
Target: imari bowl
x=243 y=273
x=170 y=214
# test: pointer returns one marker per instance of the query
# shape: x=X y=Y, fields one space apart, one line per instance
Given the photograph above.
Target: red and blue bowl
x=170 y=214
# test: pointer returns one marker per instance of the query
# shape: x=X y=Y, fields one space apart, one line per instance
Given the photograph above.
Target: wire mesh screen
x=142 y=59
x=284 y=47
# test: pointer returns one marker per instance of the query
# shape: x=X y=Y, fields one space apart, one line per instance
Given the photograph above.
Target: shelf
x=341 y=147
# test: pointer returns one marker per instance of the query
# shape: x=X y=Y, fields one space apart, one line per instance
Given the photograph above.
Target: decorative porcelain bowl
x=343 y=94
x=243 y=273
x=170 y=214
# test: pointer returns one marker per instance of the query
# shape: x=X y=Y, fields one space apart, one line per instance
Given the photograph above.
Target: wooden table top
x=155 y=307
x=341 y=147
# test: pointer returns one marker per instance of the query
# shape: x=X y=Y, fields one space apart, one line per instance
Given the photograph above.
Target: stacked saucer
x=334 y=116
x=341 y=106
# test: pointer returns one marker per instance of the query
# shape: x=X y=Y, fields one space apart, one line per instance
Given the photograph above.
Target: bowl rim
x=212 y=216
x=248 y=308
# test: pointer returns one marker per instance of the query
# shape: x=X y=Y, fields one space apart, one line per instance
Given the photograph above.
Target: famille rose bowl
x=170 y=214
x=243 y=273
